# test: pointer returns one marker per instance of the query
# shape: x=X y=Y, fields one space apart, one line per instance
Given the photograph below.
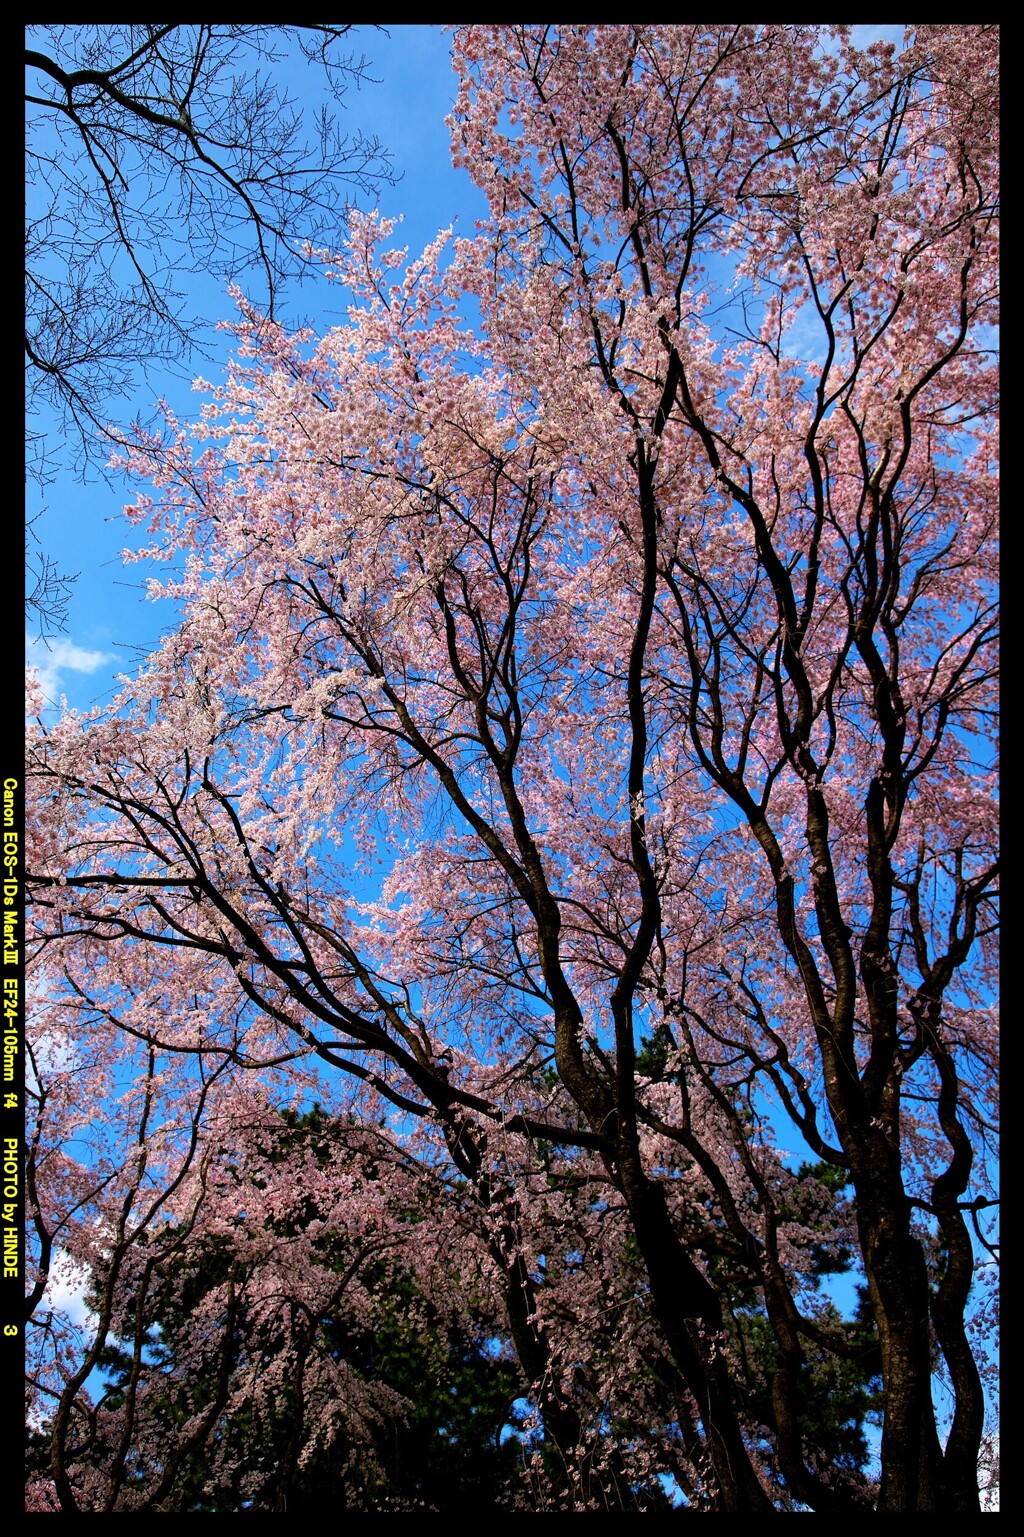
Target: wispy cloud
x=52 y=659
x=67 y=1288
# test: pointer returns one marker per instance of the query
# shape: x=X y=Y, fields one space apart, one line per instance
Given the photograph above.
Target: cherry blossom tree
x=576 y=743
x=241 y=1314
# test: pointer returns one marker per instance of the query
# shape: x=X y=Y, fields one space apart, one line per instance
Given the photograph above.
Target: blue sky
x=110 y=622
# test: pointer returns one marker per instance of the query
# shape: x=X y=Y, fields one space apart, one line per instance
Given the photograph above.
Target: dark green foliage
x=445 y=1451
x=433 y=1440
x=838 y=1394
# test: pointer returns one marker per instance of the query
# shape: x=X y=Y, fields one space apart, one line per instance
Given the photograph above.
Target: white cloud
x=55 y=657
x=66 y=1290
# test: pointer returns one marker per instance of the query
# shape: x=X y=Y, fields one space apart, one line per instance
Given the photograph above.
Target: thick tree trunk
x=897 y=1278
x=690 y=1315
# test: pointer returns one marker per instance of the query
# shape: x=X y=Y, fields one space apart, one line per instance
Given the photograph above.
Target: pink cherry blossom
x=573 y=764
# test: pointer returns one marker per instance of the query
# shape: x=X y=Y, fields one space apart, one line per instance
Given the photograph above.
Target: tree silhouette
x=156 y=152
x=576 y=746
